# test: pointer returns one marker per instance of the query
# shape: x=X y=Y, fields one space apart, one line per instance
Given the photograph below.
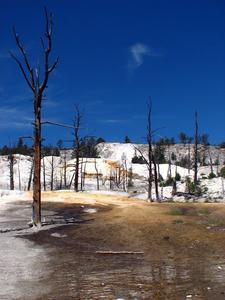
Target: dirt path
x=180 y=250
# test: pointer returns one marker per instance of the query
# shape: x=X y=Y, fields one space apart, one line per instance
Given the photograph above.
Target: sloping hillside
x=207 y=154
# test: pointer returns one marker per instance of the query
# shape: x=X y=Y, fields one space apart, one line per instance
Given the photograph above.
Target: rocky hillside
x=176 y=153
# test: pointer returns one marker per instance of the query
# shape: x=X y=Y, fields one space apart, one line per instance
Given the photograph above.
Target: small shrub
x=217 y=162
x=184 y=162
x=160 y=178
x=203 y=212
x=170 y=200
x=173 y=156
x=211 y=175
x=178 y=222
x=138 y=160
x=169 y=181
x=222 y=172
x=177 y=177
x=192 y=188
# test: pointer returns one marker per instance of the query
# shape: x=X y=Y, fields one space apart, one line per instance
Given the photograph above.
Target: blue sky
x=113 y=56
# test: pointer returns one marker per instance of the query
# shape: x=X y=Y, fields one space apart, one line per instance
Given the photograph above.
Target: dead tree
x=217 y=163
x=150 y=156
x=97 y=174
x=169 y=172
x=44 y=173
x=11 y=171
x=64 y=171
x=210 y=160
x=196 y=151
x=51 y=162
x=149 y=141
x=82 y=174
x=31 y=174
x=189 y=141
x=19 y=177
x=155 y=178
x=77 y=145
x=37 y=86
x=52 y=165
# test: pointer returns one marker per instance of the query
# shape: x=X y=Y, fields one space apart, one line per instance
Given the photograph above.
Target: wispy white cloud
x=138 y=52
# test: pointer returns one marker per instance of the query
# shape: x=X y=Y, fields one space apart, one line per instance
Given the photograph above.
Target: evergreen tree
x=127 y=140
x=100 y=140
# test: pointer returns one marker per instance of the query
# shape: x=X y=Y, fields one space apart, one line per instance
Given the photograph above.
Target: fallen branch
x=119 y=252
x=5 y=230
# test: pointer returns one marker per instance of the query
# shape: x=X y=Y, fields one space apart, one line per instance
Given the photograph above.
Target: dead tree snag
x=37 y=86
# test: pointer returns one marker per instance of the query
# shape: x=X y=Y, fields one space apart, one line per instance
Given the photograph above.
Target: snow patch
x=58 y=235
x=90 y=210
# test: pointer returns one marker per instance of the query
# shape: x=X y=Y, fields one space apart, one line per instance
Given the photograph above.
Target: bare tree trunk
x=44 y=173
x=71 y=181
x=33 y=79
x=118 y=176
x=150 y=175
x=31 y=174
x=110 y=179
x=156 y=180
x=97 y=175
x=158 y=172
x=189 y=158
x=61 y=180
x=81 y=174
x=126 y=175
x=174 y=190
x=19 y=178
x=218 y=163
x=169 y=173
x=149 y=141
x=222 y=181
x=76 y=127
x=37 y=163
x=84 y=172
x=52 y=173
x=11 y=172
x=210 y=160
x=196 y=151
x=76 y=174
x=149 y=158
x=64 y=171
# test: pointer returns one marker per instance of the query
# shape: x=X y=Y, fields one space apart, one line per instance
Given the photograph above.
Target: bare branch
x=157 y=129
x=57 y=124
x=142 y=155
x=47 y=50
x=53 y=66
x=23 y=52
x=42 y=43
x=22 y=70
x=27 y=137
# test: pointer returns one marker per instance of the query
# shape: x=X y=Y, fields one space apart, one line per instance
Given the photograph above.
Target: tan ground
x=183 y=248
